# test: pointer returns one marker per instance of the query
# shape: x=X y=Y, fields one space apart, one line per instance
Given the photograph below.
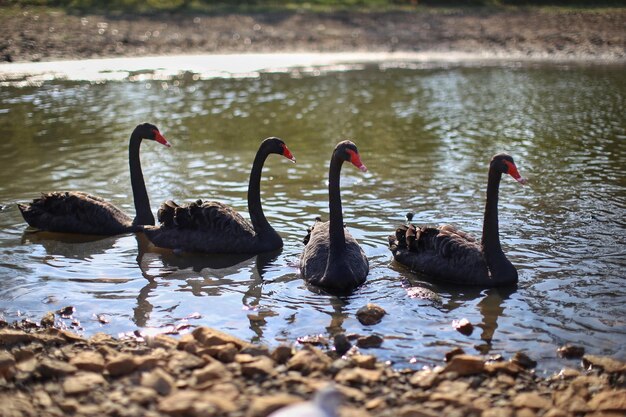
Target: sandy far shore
x=589 y=35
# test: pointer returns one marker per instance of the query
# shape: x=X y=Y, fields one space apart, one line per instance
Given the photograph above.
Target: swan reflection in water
x=205 y=275
x=490 y=307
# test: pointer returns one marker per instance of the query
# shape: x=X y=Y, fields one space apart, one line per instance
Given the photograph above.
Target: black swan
x=79 y=212
x=332 y=259
x=452 y=256
x=214 y=227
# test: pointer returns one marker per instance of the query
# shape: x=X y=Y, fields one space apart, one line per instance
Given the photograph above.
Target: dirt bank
x=29 y=35
x=45 y=371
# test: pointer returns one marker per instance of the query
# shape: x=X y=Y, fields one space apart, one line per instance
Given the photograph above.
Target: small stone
x=162 y=341
x=142 y=395
x=342 y=344
x=121 y=364
x=66 y=312
x=11 y=337
x=498 y=412
x=180 y=403
x=213 y=371
x=609 y=401
x=263 y=406
x=260 y=366
x=375 y=403
x=47 y=320
x=69 y=405
x=370 y=314
x=424 y=379
x=181 y=361
x=212 y=337
x=567 y=373
x=158 y=380
x=416 y=411
x=531 y=400
x=465 y=365
x=282 y=354
x=102 y=319
x=82 y=382
x=256 y=350
x=371 y=341
x=151 y=361
x=7 y=364
x=524 y=360
x=88 y=361
x=364 y=361
x=463 y=326
x=358 y=376
x=525 y=412
x=51 y=368
x=28 y=366
x=451 y=354
x=511 y=368
x=571 y=351
x=555 y=412
x=605 y=363
x=308 y=360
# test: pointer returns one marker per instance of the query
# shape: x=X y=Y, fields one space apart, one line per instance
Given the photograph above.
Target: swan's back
x=76 y=212
x=444 y=252
x=345 y=273
x=209 y=227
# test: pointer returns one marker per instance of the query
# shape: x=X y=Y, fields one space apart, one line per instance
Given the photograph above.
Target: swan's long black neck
x=500 y=267
x=337 y=236
x=143 y=214
x=261 y=226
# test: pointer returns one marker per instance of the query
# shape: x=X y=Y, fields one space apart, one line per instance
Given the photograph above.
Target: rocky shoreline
x=45 y=371
x=562 y=34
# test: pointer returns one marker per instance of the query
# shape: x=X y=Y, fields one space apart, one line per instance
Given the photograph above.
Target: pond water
x=426 y=133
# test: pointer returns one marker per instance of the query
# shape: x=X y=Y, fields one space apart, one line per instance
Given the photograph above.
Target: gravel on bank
x=584 y=34
x=45 y=371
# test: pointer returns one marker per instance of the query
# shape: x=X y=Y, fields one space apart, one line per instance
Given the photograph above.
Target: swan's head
x=347 y=151
x=150 y=132
x=504 y=163
x=276 y=145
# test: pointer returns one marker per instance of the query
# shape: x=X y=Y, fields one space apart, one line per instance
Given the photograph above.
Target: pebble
x=47 y=320
x=524 y=360
x=371 y=341
x=260 y=366
x=370 y=314
x=463 y=326
x=453 y=353
x=88 y=361
x=7 y=364
x=571 y=351
x=73 y=376
x=82 y=382
x=158 y=380
x=121 y=364
x=606 y=364
x=465 y=365
x=264 y=406
x=51 y=368
x=282 y=354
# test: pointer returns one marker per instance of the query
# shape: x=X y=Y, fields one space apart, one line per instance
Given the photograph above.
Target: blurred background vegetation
x=148 y=6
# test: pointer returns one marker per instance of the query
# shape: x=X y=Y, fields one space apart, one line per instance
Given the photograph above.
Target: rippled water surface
x=426 y=135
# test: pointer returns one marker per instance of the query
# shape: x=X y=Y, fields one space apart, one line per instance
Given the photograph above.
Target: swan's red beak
x=355 y=159
x=160 y=138
x=287 y=154
x=514 y=173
